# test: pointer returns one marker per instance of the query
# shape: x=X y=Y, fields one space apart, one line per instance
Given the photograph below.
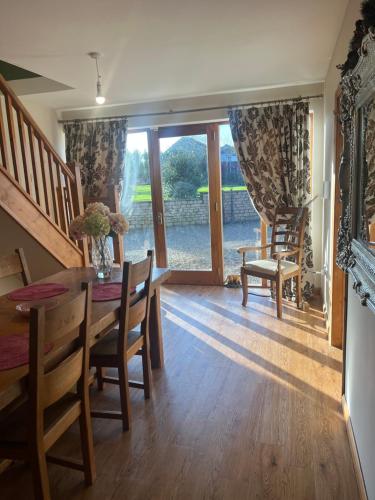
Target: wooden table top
x=103 y=314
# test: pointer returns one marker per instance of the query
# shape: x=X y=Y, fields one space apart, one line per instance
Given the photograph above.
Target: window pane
x=241 y=222
x=136 y=199
x=183 y=162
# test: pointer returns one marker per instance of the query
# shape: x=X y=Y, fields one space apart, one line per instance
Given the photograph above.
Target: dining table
x=104 y=316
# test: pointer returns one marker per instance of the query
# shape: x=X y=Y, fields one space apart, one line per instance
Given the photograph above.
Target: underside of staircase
x=37 y=189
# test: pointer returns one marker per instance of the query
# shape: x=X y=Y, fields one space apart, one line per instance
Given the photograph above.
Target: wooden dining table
x=104 y=315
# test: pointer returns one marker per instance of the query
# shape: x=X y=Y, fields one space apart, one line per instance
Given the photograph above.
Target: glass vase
x=101 y=258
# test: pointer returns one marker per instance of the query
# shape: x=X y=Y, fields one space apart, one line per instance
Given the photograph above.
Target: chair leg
x=40 y=476
x=299 y=291
x=124 y=395
x=87 y=444
x=279 y=297
x=245 y=290
x=99 y=377
x=146 y=366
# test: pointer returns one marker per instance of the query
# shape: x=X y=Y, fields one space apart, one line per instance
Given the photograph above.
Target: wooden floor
x=247 y=407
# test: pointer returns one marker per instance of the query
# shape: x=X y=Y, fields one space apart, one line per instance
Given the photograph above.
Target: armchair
x=288 y=231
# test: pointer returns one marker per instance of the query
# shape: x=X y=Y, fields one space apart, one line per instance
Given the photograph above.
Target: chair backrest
x=59 y=351
x=135 y=307
x=288 y=230
x=11 y=265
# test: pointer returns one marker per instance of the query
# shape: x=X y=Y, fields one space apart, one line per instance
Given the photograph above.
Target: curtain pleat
x=272 y=145
x=98 y=147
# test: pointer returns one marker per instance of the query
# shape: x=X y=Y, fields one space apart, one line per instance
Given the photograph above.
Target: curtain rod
x=195 y=110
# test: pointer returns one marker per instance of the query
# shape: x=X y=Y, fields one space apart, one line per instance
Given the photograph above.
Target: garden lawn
x=143 y=191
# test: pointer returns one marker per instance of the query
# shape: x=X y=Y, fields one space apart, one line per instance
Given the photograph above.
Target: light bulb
x=100 y=99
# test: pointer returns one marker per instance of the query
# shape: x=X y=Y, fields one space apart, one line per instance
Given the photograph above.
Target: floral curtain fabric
x=272 y=145
x=98 y=147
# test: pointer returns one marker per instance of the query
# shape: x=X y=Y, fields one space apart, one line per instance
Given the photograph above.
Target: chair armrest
x=252 y=249
x=283 y=254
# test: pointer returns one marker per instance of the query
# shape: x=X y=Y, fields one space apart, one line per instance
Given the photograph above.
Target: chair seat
x=107 y=346
x=13 y=429
x=269 y=267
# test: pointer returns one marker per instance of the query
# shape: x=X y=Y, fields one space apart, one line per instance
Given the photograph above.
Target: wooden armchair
x=288 y=231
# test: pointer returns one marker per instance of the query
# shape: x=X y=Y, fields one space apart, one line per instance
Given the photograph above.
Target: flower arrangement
x=99 y=222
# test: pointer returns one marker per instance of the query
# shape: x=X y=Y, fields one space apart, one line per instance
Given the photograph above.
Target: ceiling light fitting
x=100 y=99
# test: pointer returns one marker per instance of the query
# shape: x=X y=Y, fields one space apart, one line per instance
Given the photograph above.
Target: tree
x=183 y=173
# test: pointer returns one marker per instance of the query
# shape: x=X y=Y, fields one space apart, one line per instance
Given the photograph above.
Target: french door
x=186 y=202
x=184 y=195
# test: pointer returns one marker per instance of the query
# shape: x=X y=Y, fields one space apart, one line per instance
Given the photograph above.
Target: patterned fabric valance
x=98 y=147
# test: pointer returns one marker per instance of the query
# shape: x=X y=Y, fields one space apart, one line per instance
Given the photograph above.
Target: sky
x=138 y=140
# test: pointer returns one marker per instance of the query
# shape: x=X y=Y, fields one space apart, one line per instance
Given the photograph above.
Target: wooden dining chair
x=15 y=264
x=52 y=406
x=117 y=347
x=288 y=230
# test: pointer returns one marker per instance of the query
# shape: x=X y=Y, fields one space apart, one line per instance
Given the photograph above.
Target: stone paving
x=189 y=245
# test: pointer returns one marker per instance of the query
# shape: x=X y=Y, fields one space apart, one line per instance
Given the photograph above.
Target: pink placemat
x=14 y=351
x=38 y=291
x=106 y=291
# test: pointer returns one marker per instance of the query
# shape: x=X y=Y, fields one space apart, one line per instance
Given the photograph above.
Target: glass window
x=241 y=222
x=183 y=162
x=136 y=202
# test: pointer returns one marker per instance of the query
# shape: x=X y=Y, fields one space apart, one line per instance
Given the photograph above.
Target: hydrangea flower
x=76 y=228
x=118 y=223
x=97 y=221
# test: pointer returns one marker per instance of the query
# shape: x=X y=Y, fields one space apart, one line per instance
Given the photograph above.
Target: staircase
x=37 y=188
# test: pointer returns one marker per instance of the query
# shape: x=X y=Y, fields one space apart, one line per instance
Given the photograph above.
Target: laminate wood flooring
x=246 y=407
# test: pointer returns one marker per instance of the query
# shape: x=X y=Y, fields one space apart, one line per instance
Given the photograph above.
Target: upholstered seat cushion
x=107 y=346
x=269 y=267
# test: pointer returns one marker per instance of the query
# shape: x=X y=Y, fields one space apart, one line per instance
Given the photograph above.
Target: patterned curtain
x=272 y=145
x=98 y=147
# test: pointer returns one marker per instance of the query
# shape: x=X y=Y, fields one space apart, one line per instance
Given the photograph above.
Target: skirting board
x=354 y=451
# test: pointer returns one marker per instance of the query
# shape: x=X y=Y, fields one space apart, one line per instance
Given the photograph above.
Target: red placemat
x=38 y=291
x=14 y=351
x=106 y=291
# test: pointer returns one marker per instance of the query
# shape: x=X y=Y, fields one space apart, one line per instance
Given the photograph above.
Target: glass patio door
x=185 y=184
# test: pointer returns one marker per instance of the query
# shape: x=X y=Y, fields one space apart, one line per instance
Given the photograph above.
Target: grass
x=143 y=191
x=204 y=189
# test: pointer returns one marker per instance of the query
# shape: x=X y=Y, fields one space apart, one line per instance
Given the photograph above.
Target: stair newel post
x=77 y=197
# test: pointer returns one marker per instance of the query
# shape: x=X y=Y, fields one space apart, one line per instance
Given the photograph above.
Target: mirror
x=356 y=237
x=367 y=176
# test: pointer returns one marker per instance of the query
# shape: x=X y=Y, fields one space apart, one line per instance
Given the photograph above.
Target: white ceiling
x=160 y=49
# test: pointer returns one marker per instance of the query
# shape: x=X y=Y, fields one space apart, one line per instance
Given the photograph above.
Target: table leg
x=156 y=335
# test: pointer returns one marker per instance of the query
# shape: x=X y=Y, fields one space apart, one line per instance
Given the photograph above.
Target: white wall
x=47 y=120
x=359 y=384
x=360 y=335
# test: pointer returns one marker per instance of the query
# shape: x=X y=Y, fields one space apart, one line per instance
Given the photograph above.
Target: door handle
x=160 y=218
